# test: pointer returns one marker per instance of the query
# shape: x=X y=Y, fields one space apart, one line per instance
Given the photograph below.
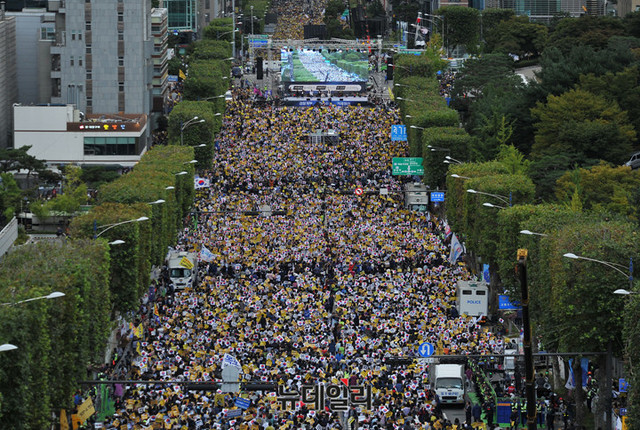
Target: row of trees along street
x=553 y=149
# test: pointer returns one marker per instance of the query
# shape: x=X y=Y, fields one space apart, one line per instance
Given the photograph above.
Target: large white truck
x=473 y=298
x=183 y=269
x=449 y=383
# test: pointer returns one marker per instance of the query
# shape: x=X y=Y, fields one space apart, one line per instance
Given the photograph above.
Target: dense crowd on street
x=335 y=287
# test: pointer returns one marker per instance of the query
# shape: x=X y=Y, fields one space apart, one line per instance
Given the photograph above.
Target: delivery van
x=449 y=383
x=183 y=269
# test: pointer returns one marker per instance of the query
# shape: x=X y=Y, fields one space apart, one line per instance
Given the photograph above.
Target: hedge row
x=127 y=199
x=56 y=338
x=209 y=70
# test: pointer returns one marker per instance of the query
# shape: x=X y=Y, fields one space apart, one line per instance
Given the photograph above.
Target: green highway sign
x=407 y=166
x=410 y=51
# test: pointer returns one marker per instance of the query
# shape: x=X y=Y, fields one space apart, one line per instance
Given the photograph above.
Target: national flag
x=155 y=310
x=456 y=249
x=206 y=255
x=182 y=75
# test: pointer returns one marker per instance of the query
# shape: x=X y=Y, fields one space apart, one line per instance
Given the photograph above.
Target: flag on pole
x=456 y=249
x=182 y=75
x=206 y=255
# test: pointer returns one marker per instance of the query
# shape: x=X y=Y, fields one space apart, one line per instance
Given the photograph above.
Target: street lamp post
x=618 y=268
x=53 y=295
x=110 y=226
x=491 y=205
x=193 y=120
x=531 y=233
x=7 y=347
x=503 y=199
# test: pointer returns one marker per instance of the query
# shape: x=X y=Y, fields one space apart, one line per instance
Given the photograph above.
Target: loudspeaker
x=259 y=74
x=390 y=69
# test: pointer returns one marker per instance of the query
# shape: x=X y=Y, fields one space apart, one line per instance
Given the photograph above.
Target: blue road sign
x=623 y=412
x=623 y=385
x=399 y=132
x=243 y=403
x=426 y=350
x=437 y=196
x=505 y=304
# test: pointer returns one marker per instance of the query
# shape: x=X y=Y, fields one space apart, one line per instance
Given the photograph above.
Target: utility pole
x=526 y=341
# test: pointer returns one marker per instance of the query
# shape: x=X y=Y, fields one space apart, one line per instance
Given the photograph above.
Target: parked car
x=634 y=161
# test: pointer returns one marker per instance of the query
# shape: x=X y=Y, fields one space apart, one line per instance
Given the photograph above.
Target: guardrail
x=8 y=235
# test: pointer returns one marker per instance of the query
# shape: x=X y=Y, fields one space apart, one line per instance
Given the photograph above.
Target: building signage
x=104 y=126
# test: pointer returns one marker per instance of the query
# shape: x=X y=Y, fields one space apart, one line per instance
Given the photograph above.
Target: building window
x=71 y=60
x=110 y=145
x=120 y=16
x=121 y=86
x=87 y=26
x=80 y=61
x=88 y=49
x=89 y=101
x=120 y=36
x=79 y=35
x=121 y=61
x=73 y=35
x=207 y=4
x=89 y=76
x=47 y=33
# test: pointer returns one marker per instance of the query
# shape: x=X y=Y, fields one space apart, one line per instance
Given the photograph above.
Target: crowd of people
x=336 y=289
x=333 y=292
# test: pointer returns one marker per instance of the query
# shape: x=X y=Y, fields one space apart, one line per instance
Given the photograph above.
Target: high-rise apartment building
x=159 y=31
x=8 y=76
x=104 y=49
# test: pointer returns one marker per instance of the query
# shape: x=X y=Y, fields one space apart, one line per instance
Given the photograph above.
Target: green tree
x=587 y=313
x=57 y=339
x=520 y=37
x=490 y=19
x=561 y=71
x=622 y=87
x=493 y=132
x=10 y=196
x=602 y=188
x=585 y=124
x=462 y=27
x=477 y=73
x=334 y=9
x=585 y=31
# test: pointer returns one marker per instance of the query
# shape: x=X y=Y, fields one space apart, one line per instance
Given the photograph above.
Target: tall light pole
x=503 y=199
x=193 y=120
x=110 y=226
x=53 y=295
x=251 y=19
x=618 y=268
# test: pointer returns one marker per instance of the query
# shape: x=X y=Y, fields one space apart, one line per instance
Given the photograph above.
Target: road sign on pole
x=407 y=166
x=437 y=196
x=399 y=132
x=426 y=350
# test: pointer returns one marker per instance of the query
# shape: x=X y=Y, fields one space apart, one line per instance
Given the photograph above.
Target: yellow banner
x=64 y=422
x=186 y=263
x=85 y=410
